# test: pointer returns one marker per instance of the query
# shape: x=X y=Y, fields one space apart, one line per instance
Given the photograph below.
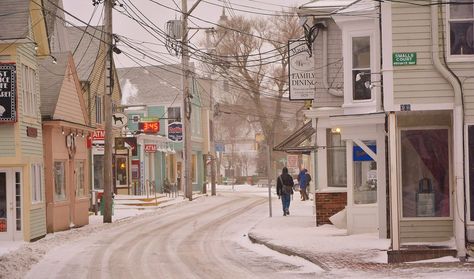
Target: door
x=10 y=204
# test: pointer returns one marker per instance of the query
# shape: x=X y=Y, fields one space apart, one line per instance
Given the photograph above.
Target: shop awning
x=295 y=142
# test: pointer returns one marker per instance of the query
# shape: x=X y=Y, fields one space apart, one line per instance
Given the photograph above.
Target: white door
x=10 y=204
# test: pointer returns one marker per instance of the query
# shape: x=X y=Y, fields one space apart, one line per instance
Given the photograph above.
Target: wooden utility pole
x=188 y=187
x=107 y=196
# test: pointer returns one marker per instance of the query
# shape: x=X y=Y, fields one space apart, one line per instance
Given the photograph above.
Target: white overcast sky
x=207 y=10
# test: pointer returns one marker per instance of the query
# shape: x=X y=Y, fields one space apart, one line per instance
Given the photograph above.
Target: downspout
x=458 y=123
x=332 y=91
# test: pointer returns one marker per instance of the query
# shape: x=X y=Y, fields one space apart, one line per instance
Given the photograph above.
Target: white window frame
x=349 y=32
x=330 y=149
x=56 y=199
x=399 y=163
x=361 y=69
x=29 y=91
x=455 y=57
x=36 y=183
x=77 y=175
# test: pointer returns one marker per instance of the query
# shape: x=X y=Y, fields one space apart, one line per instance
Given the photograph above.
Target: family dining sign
x=7 y=92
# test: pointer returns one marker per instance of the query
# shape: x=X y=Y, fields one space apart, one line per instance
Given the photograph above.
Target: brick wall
x=328 y=204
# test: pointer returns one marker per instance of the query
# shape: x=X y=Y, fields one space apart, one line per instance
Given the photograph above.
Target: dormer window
x=361 y=89
x=461 y=28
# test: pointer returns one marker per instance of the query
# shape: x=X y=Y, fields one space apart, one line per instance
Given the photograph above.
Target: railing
x=170 y=189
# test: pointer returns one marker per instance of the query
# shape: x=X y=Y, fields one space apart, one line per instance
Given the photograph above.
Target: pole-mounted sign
x=301 y=71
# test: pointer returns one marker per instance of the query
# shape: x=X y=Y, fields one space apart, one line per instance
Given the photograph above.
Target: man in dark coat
x=285 y=190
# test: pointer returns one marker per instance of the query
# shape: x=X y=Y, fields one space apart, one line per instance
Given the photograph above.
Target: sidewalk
x=331 y=248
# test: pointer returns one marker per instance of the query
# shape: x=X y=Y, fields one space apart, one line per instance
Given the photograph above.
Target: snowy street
x=209 y=238
x=203 y=239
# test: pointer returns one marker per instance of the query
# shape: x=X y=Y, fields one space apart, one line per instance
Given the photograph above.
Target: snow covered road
x=205 y=238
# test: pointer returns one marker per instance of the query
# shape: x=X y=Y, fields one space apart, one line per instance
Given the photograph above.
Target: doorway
x=10 y=205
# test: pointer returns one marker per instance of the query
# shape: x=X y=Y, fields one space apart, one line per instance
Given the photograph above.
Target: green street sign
x=404 y=58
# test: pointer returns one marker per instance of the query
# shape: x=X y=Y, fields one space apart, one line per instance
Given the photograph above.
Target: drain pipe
x=332 y=91
x=458 y=145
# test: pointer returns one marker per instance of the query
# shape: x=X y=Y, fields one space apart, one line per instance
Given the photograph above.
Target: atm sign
x=149 y=127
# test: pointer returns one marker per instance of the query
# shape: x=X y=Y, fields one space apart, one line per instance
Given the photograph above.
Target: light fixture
x=62 y=131
x=54 y=60
x=336 y=130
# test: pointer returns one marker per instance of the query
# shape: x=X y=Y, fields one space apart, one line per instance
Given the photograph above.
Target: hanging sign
x=119 y=120
x=175 y=131
x=8 y=93
x=301 y=70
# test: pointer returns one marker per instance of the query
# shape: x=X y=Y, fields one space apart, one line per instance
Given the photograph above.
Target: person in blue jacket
x=303 y=182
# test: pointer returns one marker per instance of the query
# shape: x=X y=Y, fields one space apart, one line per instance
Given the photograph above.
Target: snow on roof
x=338 y=6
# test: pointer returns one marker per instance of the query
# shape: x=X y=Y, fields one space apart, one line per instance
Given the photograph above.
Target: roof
x=51 y=81
x=150 y=85
x=14 y=15
x=293 y=143
x=333 y=7
x=85 y=46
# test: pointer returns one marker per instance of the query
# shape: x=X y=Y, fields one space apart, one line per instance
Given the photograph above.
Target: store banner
x=8 y=95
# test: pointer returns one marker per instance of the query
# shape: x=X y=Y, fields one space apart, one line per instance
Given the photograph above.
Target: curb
x=287 y=251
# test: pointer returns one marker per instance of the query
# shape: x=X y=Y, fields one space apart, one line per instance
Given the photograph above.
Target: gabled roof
x=14 y=19
x=61 y=95
x=152 y=85
x=85 y=45
x=51 y=81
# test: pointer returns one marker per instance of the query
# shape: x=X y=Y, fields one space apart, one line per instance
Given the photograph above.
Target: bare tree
x=253 y=55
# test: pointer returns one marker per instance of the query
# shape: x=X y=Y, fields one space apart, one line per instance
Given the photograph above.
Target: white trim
x=394 y=177
x=387 y=49
x=450 y=57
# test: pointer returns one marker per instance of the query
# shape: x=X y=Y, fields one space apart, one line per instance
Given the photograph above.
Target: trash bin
x=102 y=204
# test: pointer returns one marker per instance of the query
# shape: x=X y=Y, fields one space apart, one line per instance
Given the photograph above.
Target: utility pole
x=107 y=196
x=269 y=175
x=187 y=181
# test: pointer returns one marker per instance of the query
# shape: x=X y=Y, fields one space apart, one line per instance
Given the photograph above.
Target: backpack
x=285 y=189
x=308 y=178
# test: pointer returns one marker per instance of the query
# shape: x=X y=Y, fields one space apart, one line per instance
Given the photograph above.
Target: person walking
x=302 y=180
x=285 y=190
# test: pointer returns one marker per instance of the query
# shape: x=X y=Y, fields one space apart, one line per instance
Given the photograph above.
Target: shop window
x=98 y=172
x=18 y=200
x=336 y=158
x=365 y=175
x=30 y=95
x=59 y=180
x=36 y=183
x=361 y=89
x=121 y=171
x=80 y=186
x=471 y=170
x=461 y=27
x=425 y=172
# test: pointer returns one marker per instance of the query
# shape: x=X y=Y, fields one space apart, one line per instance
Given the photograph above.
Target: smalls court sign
x=404 y=58
x=302 y=83
x=8 y=92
